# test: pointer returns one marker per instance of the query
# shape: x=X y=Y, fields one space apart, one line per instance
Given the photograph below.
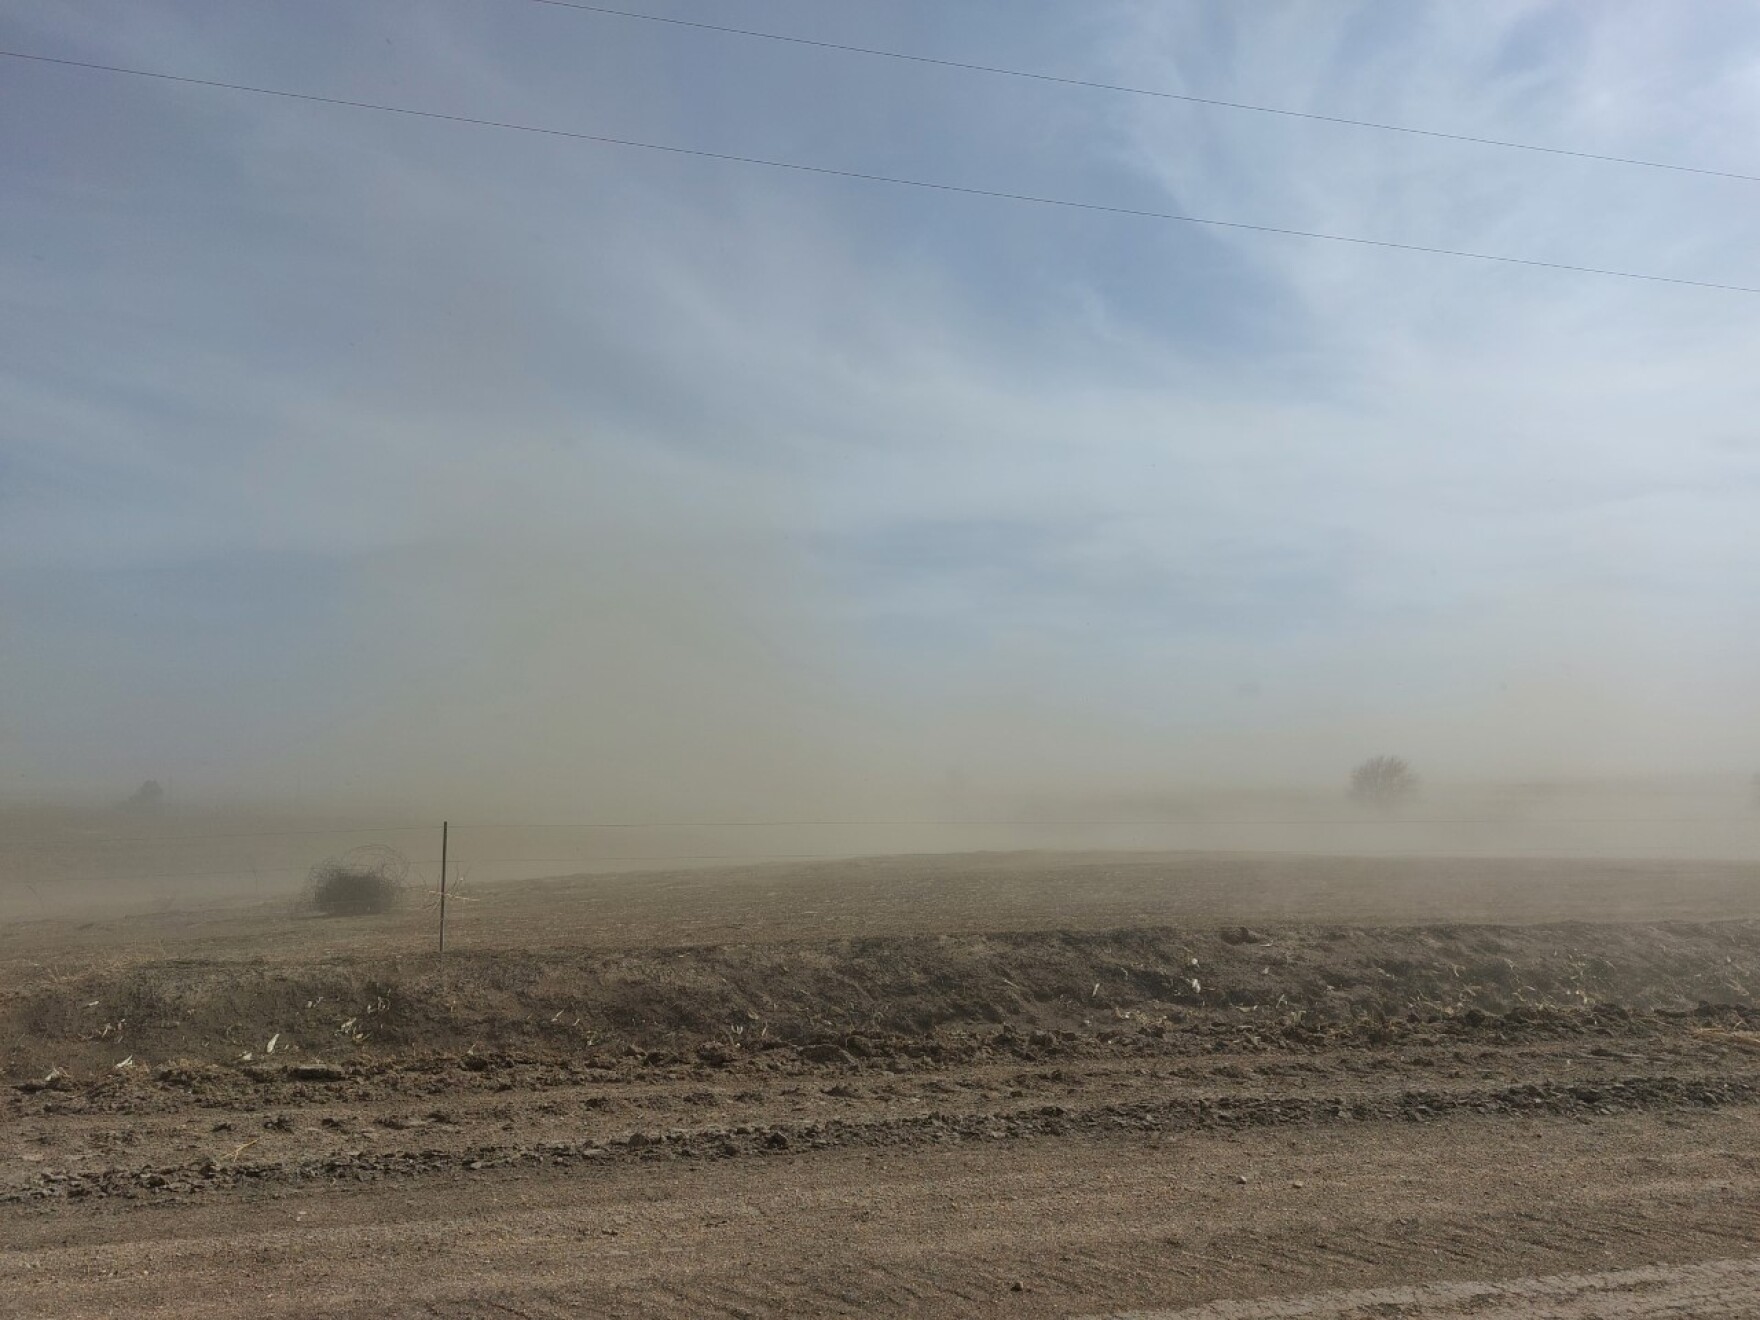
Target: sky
x=348 y=454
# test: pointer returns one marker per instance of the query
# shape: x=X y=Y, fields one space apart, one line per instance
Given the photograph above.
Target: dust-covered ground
x=1021 y=1084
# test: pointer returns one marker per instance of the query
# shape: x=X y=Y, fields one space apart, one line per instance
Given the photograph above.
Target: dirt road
x=1715 y=1288
x=1132 y=1221
x=1296 y=1120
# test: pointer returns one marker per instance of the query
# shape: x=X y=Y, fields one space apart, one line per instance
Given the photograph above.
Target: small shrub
x=360 y=883
x=147 y=800
x=1383 y=782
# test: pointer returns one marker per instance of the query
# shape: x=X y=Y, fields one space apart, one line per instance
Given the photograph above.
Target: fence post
x=443 y=832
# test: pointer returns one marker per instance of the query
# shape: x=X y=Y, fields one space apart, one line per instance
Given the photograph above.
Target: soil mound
x=729 y=999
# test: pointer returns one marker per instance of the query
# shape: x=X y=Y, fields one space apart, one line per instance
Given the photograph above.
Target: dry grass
x=1748 y=1042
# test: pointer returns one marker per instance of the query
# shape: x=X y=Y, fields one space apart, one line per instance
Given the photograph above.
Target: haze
x=364 y=461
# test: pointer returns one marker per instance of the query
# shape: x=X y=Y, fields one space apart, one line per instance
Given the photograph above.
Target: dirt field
x=1176 y=1085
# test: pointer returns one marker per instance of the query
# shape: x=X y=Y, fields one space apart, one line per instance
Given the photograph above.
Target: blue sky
x=343 y=450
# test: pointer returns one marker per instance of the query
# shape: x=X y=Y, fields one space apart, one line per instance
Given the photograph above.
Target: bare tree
x=1383 y=782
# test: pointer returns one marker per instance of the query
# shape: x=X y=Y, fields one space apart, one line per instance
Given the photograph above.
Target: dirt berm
x=733 y=999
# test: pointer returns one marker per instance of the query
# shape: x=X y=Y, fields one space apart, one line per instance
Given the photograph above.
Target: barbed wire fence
x=466 y=856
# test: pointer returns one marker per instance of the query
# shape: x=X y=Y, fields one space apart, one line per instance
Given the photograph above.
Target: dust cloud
x=647 y=697
x=661 y=679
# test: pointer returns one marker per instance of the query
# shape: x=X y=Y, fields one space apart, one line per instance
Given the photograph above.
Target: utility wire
x=891 y=179
x=965 y=66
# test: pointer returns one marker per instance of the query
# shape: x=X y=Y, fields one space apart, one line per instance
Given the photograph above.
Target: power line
x=890 y=179
x=966 y=66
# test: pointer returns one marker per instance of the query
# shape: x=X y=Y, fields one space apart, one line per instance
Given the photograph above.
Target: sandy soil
x=913 y=895
x=1203 y=1087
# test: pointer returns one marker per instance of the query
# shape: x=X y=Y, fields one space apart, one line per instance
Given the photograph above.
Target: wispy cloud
x=647 y=470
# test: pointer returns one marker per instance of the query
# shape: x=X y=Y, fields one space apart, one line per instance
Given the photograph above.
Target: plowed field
x=1080 y=1085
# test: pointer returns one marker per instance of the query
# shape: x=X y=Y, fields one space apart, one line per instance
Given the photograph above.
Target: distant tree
x=1383 y=782
x=148 y=798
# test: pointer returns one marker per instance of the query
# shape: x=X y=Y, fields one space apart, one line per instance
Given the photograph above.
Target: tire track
x=1144 y=1118
x=1712 y=1290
